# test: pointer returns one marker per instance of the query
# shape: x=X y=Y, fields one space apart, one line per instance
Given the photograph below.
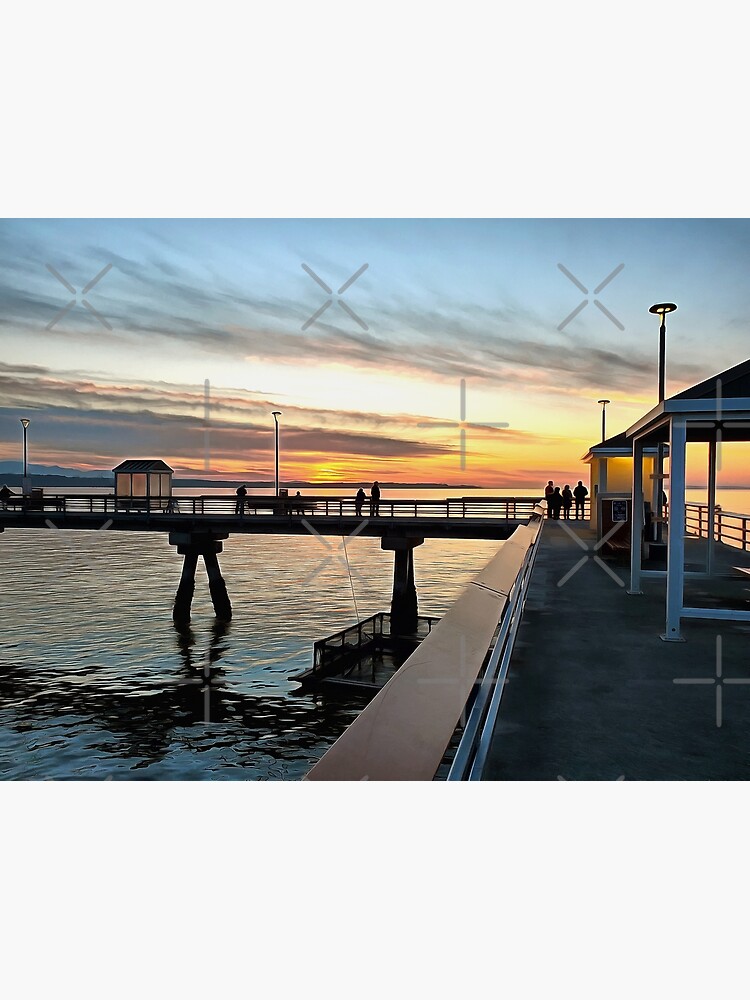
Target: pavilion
x=714 y=411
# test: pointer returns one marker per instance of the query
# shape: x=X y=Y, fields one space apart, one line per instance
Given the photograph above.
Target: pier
x=528 y=676
x=199 y=526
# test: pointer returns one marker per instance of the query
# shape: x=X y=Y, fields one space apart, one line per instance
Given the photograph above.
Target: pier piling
x=404 y=604
x=192 y=546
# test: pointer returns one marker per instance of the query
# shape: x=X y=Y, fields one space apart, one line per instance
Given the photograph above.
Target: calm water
x=95 y=681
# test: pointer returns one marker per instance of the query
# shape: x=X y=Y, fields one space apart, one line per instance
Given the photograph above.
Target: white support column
x=711 y=504
x=603 y=475
x=636 y=518
x=676 y=529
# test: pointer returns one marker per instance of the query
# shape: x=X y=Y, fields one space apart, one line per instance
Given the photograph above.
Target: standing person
x=580 y=493
x=549 y=489
x=555 y=501
x=358 y=501
x=374 y=499
x=567 y=501
x=5 y=495
x=239 y=507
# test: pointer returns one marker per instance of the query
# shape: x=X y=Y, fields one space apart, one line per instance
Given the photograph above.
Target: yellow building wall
x=619 y=478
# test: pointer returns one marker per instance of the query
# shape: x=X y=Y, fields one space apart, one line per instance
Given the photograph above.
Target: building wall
x=615 y=475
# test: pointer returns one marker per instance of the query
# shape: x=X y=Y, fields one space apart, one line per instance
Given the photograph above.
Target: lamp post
x=603 y=403
x=661 y=309
x=276 y=414
x=24 y=482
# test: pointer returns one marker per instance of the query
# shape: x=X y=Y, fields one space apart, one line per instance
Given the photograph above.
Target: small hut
x=144 y=483
x=611 y=473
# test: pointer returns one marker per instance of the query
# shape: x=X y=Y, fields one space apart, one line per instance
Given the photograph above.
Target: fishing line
x=351 y=582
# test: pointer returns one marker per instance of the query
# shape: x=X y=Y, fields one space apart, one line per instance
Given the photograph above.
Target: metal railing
x=729 y=526
x=405 y=731
x=471 y=754
x=356 y=639
x=506 y=508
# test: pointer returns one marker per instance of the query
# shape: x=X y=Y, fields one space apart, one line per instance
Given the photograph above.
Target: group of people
x=563 y=501
x=361 y=497
x=359 y=500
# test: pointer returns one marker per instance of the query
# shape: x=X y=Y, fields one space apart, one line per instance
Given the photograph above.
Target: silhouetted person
x=567 y=501
x=298 y=505
x=549 y=489
x=555 y=502
x=375 y=499
x=5 y=495
x=580 y=493
x=241 y=494
x=358 y=501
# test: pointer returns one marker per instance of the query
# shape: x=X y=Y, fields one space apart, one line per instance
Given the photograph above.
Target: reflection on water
x=96 y=682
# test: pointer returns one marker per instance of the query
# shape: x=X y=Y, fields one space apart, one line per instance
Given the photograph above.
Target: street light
x=276 y=414
x=603 y=403
x=661 y=309
x=25 y=424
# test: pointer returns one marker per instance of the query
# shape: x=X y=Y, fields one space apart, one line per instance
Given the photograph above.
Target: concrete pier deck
x=591 y=692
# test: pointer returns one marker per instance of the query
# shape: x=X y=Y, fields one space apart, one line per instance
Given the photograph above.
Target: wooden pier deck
x=591 y=693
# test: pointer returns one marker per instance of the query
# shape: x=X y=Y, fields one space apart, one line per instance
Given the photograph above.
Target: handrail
x=403 y=732
x=730 y=527
x=471 y=754
x=200 y=505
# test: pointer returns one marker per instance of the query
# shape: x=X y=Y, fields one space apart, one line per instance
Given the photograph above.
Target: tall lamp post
x=603 y=403
x=276 y=414
x=25 y=481
x=661 y=309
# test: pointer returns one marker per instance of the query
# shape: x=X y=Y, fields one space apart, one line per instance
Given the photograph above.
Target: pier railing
x=507 y=508
x=354 y=639
x=404 y=732
x=729 y=526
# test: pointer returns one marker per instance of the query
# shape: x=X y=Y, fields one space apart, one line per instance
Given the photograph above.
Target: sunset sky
x=371 y=388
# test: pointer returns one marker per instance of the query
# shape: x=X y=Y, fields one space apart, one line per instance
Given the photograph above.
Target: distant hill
x=16 y=468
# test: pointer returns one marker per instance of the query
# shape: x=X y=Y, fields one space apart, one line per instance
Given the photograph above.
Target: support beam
x=711 y=528
x=636 y=519
x=676 y=529
x=217 y=587
x=186 y=589
x=404 y=604
x=193 y=545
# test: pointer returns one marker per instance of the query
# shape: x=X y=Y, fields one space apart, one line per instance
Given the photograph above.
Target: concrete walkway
x=591 y=692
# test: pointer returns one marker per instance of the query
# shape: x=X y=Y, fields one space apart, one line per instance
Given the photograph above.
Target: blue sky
x=441 y=300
